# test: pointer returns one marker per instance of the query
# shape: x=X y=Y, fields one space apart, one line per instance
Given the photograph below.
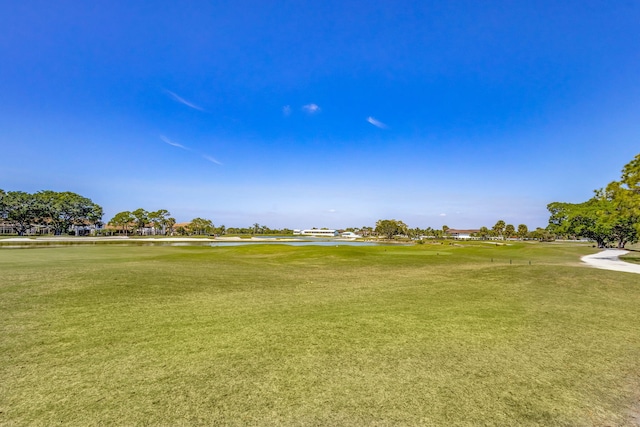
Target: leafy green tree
x=62 y=210
x=509 y=231
x=124 y=220
x=141 y=219
x=542 y=234
x=95 y=217
x=57 y=211
x=631 y=175
x=390 y=228
x=3 y=208
x=158 y=220
x=200 y=226
x=498 y=229
x=428 y=232
x=617 y=214
x=582 y=220
x=626 y=194
x=522 y=232
x=612 y=216
x=21 y=210
x=484 y=233
x=366 y=231
x=169 y=224
x=414 y=233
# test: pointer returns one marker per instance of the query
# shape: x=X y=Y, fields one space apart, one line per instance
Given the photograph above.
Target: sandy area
x=608 y=260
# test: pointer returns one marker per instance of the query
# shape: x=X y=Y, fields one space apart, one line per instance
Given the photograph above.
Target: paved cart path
x=608 y=260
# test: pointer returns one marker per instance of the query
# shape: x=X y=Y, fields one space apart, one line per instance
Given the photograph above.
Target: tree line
x=57 y=212
x=140 y=219
x=47 y=212
x=501 y=231
x=610 y=218
x=392 y=229
x=160 y=222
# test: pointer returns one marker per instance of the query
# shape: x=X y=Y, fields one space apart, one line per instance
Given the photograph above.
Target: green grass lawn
x=472 y=334
x=634 y=254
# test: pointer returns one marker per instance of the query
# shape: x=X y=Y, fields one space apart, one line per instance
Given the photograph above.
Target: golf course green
x=433 y=334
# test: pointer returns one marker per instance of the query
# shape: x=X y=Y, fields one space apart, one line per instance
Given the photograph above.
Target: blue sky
x=320 y=114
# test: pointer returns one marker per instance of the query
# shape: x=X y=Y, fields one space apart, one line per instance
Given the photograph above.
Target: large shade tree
x=56 y=211
x=611 y=217
x=585 y=219
x=626 y=193
x=21 y=211
x=390 y=228
x=63 y=210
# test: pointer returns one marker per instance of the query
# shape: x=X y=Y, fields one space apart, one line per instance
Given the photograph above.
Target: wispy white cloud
x=181 y=100
x=377 y=123
x=211 y=159
x=311 y=108
x=286 y=110
x=443 y=214
x=170 y=142
x=177 y=145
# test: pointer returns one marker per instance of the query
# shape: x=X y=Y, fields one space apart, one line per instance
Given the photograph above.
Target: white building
x=461 y=234
x=351 y=235
x=317 y=232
